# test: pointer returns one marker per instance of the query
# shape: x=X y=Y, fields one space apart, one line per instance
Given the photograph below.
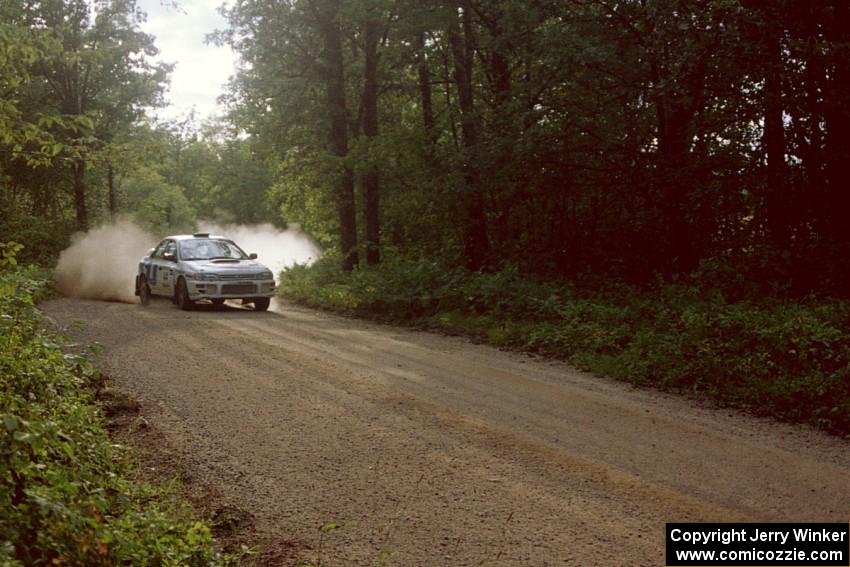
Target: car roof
x=195 y=236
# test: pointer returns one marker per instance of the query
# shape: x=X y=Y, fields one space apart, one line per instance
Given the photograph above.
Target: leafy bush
x=43 y=239
x=9 y=253
x=64 y=497
x=401 y=290
x=786 y=359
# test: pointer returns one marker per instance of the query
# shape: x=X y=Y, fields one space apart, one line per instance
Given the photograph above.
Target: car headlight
x=268 y=275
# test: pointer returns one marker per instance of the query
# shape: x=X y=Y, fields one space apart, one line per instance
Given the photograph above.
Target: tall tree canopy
x=633 y=139
x=93 y=79
x=624 y=137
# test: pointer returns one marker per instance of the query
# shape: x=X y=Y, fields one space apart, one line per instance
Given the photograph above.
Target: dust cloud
x=277 y=249
x=102 y=263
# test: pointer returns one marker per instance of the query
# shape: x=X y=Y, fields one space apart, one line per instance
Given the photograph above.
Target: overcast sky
x=201 y=70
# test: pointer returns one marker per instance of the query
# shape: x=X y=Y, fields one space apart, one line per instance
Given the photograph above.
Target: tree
x=461 y=39
x=619 y=138
x=24 y=135
x=165 y=209
x=371 y=179
x=103 y=75
x=327 y=14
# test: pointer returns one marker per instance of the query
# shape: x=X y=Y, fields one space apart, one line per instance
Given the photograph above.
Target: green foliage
x=42 y=239
x=240 y=183
x=64 y=497
x=9 y=253
x=26 y=135
x=75 y=75
x=786 y=359
x=587 y=145
x=224 y=180
x=401 y=290
x=299 y=199
x=162 y=208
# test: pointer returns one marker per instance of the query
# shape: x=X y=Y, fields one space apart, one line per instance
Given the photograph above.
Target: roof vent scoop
x=201 y=235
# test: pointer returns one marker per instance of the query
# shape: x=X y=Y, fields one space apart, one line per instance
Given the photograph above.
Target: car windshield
x=210 y=249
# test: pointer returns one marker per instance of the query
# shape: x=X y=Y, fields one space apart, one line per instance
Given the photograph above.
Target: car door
x=151 y=267
x=168 y=268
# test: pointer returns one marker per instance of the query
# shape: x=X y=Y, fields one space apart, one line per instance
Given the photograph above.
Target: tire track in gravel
x=435 y=451
x=542 y=410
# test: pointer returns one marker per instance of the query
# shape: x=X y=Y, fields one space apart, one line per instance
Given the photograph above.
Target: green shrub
x=43 y=240
x=64 y=497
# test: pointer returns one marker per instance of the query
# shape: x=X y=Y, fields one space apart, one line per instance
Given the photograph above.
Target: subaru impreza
x=202 y=267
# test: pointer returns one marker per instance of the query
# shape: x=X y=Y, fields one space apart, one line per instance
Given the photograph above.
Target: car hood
x=226 y=266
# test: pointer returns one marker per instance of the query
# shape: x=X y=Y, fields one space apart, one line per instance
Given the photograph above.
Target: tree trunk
x=425 y=89
x=113 y=201
x=813 y=160
x=498 y=63
x=774 y=143
x=79 y=171
x=371 y=180
x=674 y=249
x=338 y=133
x=838 y=127
x=475 y=242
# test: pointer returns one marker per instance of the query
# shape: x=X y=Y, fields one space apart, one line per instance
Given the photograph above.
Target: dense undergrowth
x=788 y=359
x=65 y=493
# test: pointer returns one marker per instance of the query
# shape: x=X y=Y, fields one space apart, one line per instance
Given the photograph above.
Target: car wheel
x=144 y=291
x=181 y=296
x=262 y=303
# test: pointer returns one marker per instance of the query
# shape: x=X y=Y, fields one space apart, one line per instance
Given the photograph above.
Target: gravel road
x=429 y=450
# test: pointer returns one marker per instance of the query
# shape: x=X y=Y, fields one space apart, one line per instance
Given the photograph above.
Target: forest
x=655 y=190
x=624 y=140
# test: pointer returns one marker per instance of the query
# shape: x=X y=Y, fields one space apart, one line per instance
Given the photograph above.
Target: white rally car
x=190 y=268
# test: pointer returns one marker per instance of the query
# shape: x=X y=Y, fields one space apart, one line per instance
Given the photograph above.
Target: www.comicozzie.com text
x=743 y=534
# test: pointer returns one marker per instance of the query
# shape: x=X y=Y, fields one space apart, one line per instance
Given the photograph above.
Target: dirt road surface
x=429 y=450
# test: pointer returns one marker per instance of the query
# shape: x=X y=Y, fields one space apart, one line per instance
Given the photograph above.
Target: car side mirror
x=252 y=255
x=170 y=256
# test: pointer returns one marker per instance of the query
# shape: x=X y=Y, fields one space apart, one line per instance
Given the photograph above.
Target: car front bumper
x=230 y=289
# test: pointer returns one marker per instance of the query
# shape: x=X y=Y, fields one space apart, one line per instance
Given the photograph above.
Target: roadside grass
x=65 y=493
x=782 y=358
